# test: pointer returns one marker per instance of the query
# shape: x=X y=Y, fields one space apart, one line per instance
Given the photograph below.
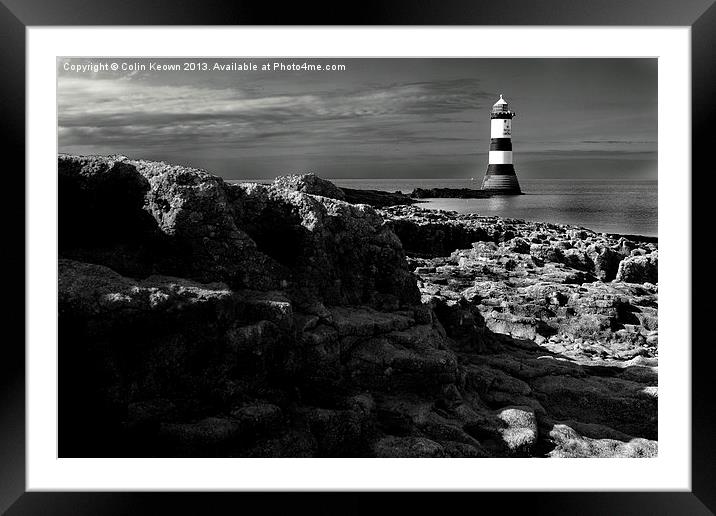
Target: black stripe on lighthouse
x=500 y=144
x=500 y=170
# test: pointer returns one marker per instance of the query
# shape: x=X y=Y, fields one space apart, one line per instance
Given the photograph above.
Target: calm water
x=628 y=207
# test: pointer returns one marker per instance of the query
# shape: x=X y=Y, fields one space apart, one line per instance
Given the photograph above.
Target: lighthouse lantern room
x=500 y=175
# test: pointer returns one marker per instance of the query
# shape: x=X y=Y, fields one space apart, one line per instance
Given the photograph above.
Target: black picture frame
x=17 y=15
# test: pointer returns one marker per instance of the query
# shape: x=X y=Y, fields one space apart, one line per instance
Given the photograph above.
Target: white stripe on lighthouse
x=500 y=128
x=498 y=157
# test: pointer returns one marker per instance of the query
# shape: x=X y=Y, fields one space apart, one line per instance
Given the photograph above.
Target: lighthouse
x=500 y=175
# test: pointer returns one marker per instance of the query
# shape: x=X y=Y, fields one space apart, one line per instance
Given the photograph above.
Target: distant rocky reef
x=201 y=318
x=451 y=193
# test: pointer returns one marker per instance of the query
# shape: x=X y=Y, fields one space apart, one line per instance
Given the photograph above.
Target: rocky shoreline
x=312 y=184
x=202 y=318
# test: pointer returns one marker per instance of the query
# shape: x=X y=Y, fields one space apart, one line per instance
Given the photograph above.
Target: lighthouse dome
x=500 y=109
x=499 y=106
x=501 y=101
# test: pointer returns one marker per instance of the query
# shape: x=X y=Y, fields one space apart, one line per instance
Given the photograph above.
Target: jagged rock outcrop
x=199 y=318
x=430 y=233
x=334 y=251
x=639 y=269
x=310 y=184
x=142 y=218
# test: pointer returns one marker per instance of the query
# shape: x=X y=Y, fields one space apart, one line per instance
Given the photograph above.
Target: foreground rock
x=570 y=290
x=198 y=318
x=570 y=444
x=570 y=316
x=141 y=218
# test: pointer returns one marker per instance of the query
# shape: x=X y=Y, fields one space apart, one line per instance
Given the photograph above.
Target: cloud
x=134 y=116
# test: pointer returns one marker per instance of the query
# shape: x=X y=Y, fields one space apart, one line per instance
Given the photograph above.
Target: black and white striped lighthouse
x=500 y=175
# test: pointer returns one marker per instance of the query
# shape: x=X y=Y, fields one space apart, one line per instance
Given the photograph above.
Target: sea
x=614 y=206
x=607 y=206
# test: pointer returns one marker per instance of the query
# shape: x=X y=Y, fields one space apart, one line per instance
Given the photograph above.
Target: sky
x=391 y=118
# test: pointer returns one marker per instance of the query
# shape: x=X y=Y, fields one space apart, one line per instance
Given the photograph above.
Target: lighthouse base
x=502 y=179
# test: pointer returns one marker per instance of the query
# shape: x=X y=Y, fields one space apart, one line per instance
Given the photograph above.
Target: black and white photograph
x=357 y=257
